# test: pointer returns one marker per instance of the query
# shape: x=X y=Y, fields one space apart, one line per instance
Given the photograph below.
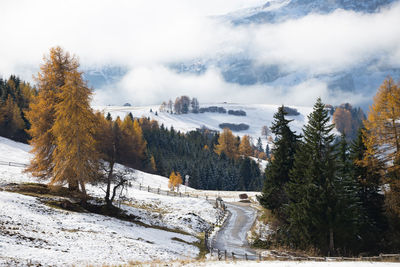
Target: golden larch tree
x=140 y=142
x=75 y=156
x=175 y=180
x=382 y=139
x=134 y=141
x=41 y=114
x=63 y=124
x=245 y=148
x=227 y=144
x=382 y=127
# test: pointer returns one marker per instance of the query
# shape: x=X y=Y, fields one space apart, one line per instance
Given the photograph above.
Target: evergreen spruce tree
x=349 y=212
x=277 y=171
x=312 y=205
x=368 y=177
x=259 y=145
x=245 y=174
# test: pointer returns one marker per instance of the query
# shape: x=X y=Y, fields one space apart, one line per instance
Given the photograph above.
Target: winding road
x=232 y=236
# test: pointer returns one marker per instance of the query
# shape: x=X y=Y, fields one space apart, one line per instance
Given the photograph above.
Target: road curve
x=232 y=236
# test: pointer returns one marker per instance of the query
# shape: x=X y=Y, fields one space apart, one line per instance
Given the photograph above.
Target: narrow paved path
x=232 y=237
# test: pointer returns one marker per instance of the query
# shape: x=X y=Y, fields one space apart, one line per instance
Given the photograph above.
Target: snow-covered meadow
x=34 y=233
x=257 y=116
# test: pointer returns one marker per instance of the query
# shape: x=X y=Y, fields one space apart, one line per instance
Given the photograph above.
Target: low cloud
x=152 y=85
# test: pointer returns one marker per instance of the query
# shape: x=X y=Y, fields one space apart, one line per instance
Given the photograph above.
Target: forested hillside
x=193 y=154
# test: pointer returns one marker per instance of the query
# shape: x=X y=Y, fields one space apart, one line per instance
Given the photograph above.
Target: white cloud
x=147 y=34
x=326 y=43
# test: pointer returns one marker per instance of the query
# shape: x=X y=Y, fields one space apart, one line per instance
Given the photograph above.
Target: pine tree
x=312 y=203
x=369 y=182
x=277 y=171
x=259 y=146
x=11 y=121
x=349 y=212
x=245 y=174
x=245 y=148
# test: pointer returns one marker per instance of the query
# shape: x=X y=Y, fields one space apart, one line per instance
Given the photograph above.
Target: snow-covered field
x=257 y=116
x=34 y=233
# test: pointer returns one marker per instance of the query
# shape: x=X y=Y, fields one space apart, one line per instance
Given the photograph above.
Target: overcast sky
x=146 y=35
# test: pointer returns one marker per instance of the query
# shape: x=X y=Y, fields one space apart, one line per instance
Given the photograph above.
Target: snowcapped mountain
x=101 y=76
x=275 y=11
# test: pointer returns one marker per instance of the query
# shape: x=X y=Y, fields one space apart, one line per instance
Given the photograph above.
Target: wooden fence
x=13 y=164
x=226 y=255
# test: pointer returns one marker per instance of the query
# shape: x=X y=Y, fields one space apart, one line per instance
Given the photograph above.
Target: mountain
x=101 y=76
x=276 y=11
x=243 y=68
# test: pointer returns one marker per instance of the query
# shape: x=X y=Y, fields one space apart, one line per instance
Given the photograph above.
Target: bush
x=213 y=109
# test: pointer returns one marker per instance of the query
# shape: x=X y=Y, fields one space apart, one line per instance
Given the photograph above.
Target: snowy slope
x=32 y=232
x=257 y=116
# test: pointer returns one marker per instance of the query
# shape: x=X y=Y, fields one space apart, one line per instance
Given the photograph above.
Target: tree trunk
x=331 y=242
x=108 y=190
x=73 y=185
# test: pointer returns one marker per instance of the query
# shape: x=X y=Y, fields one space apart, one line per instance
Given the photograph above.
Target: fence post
x=245 y=255
x=140 y=186
x=180 y=194
x=167 y=192
x=148 y=188
x=225 y=254
x=259 y=256
x=158 y=191
x=206 y=197
x=233 y=256
x=218 y=254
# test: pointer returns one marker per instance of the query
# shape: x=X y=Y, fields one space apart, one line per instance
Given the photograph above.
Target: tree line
x=335 y=197
x=15 y=96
